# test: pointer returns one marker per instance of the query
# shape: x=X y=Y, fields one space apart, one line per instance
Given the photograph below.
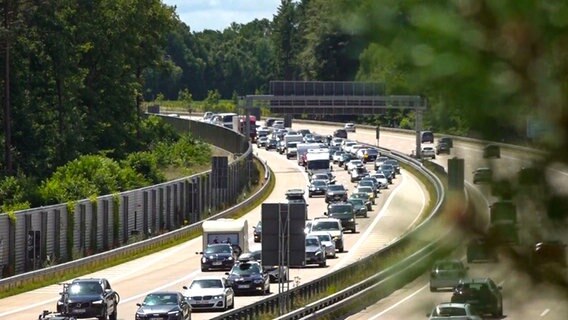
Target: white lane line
x=398 y=303
x=27 y=307
x=418 y=216
x=365 y=235
x=169 y=284
x=545 y=312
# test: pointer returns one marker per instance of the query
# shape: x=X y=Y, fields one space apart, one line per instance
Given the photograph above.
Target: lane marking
x=137 y=296
x=545 y=312
x=370 y=228
x=398 y=303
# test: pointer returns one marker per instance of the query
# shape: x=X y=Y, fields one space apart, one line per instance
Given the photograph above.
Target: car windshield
x=336 y=187
x=218 y=249
x=356 y=162
x=319 y=183
x=449 y=312
x=324 y=237
x=356 y=202
x=320 y=176
x=311 y=242
x=206 y=284
x=160 y=298
x=325 y=225
x=392 y=162
x=86 y=288
x=365 y=189
x=372 y=152
x=379 y=176
x=382 y=159
x=448 y=265
x=245 y=269
x=366 y=183
x=342 y=208
x=359 y=195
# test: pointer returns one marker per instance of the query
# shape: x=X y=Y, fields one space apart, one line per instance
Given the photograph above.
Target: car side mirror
x=185 y=287
x=226 y=273
x=325 y=213
x=138 y=305
x=198 y=252
x=254 y=227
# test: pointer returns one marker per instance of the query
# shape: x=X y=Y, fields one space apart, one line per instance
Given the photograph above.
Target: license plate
x=217 y=263
x=79 y=310
x=243 y=286
x=202 y=302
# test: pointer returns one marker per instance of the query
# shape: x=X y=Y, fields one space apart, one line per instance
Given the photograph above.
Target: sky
x=219 y=14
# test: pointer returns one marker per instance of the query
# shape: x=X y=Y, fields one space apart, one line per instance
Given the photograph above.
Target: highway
x=523 y=298
x=397 y=210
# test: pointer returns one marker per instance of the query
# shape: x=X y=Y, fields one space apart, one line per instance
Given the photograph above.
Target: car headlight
x=351 y=220
x=230 y=258
x=203 y=259
x=97 y=302
x=318 y=253
x=219 y=297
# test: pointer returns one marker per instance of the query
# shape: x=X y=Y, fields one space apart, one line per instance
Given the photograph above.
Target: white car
x=382 y=180
x=352 y=164
x=347 y=146
x=337 y=156
x=450 y=311
x=333 y=226
x=349 y=127
x=326 y=240
x=211 y=292
x=355 y=148
x=337 y=142
x=428 y=152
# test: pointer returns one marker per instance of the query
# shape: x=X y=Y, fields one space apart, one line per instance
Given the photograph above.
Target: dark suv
x=340 y=133
x=345 y=213
x=335 y=193
x=482 y=293
x=88 y=298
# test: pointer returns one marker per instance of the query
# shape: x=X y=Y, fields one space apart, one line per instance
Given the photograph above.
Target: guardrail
x=126 y=250
x=312 y=288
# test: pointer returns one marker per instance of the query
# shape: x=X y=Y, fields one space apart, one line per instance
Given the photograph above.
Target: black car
x=218 y=256
x=169 y=305
x=442 y=147
x=344 y=212
x=249 y=277
x=491 y=151
x=335 y=192
x=371 y=154
x=274 y=272
x=482 y=175
x=447 y=140
x=394 y=163
x=503 y=211
x=257 y=234
x=88 y=298
x=317 y=187
x=272 y=144
x=345 y=158
x=340 y=133
x=481 y=293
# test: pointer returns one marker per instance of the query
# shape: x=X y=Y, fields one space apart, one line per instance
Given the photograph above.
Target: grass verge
x=99 y=265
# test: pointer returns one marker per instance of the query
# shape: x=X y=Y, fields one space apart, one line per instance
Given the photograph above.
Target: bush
x=16 y=193
x=146 y=164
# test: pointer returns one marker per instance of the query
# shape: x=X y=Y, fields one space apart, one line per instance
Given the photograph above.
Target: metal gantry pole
x=418 y=125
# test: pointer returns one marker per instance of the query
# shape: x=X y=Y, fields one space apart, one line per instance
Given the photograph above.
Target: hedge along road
x=523 y=298
x=396 y=210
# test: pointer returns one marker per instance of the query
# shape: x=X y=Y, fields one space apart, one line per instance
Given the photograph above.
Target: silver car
x=446 y=274
x=327 y=241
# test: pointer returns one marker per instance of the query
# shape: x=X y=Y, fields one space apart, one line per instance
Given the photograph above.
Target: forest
x=75 y=74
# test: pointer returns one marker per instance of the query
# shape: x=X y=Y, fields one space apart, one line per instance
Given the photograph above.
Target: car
x=317 y=187
x=426 y=136
x=446 y=274
x=278 y=124
x=326 y=176
x=304 y=132
x=335 y=192
x=379 y=161
x=382 y=179
x=272 y=144
x=337 y=142
x=347 y=146
x=367 y=190
x=428 y=152
x=394 y=163
x=482 y=175
x=491 y=151
x=333 y=226
x=503 y=233
x=274 y=272
x=480 y=248
x=447 y=140
x=442 y=147
x=88 y=298
x=210 y=293
x=340 y=133
x=353 y=164
x=457 y=311
x=315 y=252
x=356 y=148
x=503 y=210
x=345 y=158
x=363 y=196
x=549 y=252
x=367 y=182
x=337 y=156
x=249 y=277
x=370 y=154
x=343 y=211
x=358 y=173
x=531 y=176
x=218 y=256
x=170 y=305
x=326 y=240
x=349 y=127
x=257 y=233
x=388 y=170
x=295 y=196
x=359 y=207
x=262 y=142
x=482 y=293
x=281 y=146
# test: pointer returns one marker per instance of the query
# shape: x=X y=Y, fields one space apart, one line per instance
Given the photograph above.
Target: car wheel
x=204 y=269
x=114 y=314
x=104 y=316
x=432 y=289
x=323 y=264
x=341 y=249
x=267 y=291
x=309 y=195
x=354 y=230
